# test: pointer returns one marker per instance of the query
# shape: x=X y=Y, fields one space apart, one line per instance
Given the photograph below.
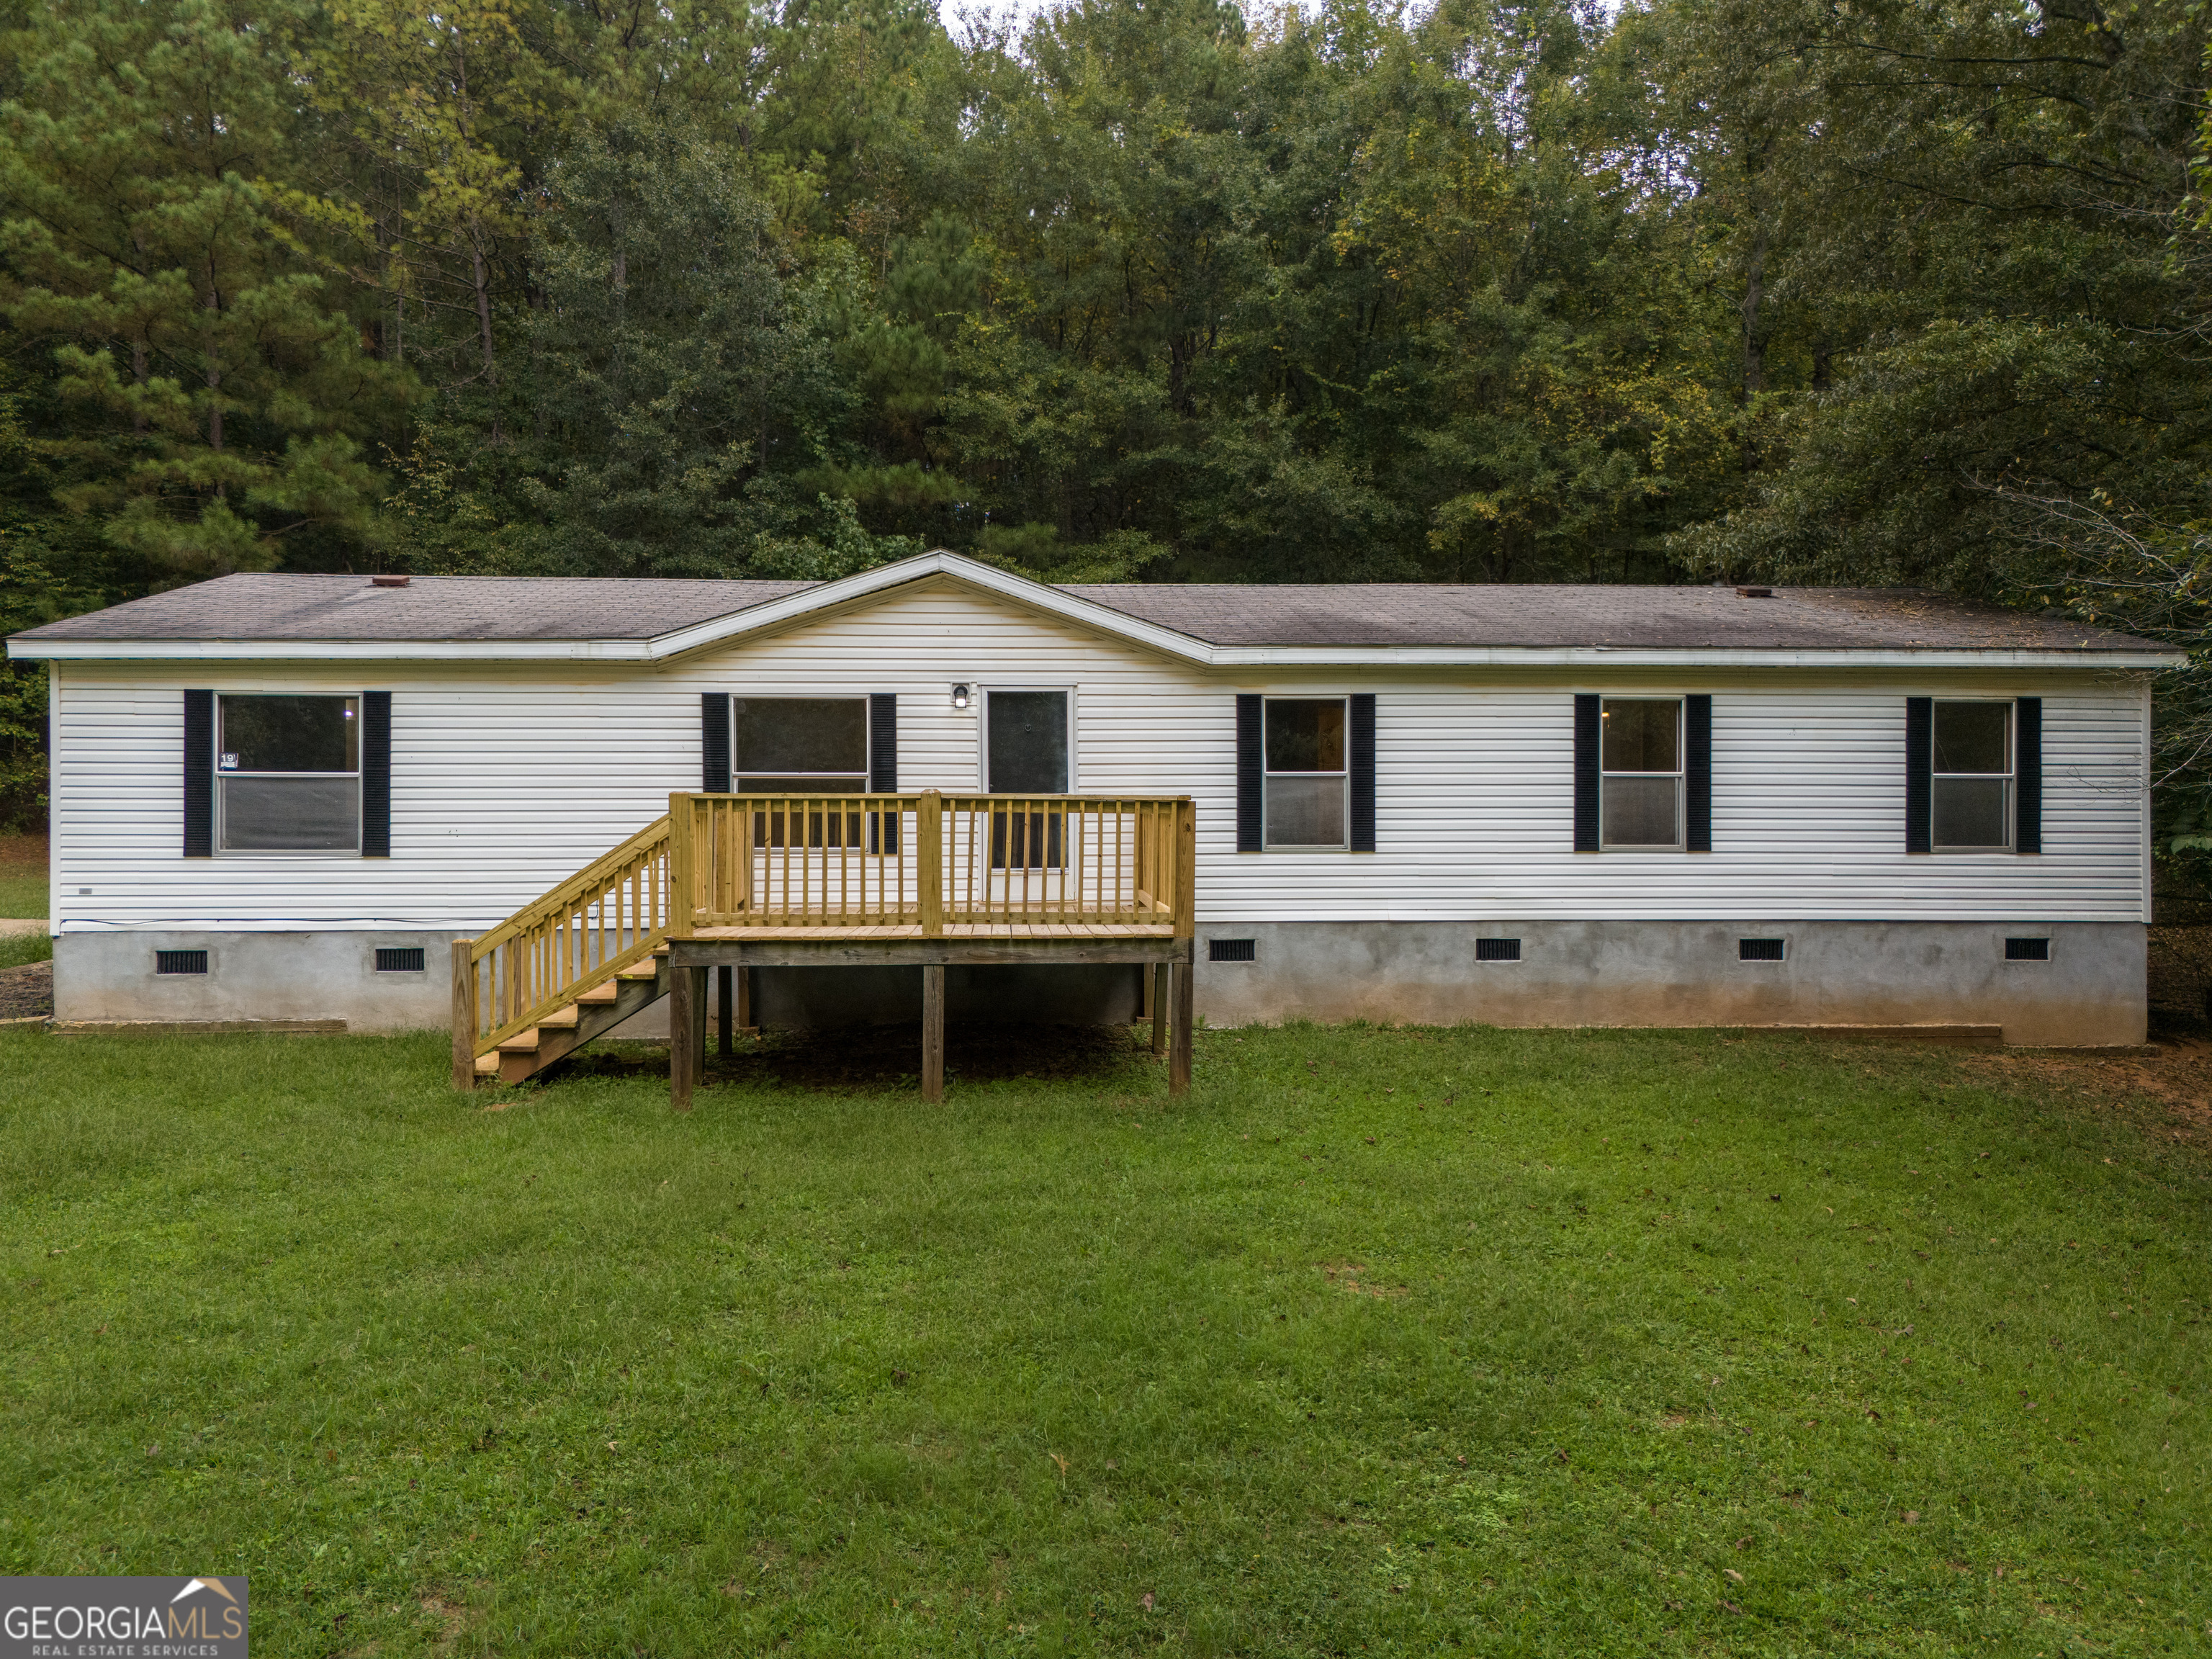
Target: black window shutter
x=1586 y=759
x=1919 y=774
x=1251 y=824
x=2027 y=775
x=1363 y=771
x=1698 y=769
x=376 y=775
x=199 y=774
x=714 y=743
x=882 y=768
x=882 y=743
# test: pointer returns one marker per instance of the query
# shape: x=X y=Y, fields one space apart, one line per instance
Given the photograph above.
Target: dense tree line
x=1864 y=291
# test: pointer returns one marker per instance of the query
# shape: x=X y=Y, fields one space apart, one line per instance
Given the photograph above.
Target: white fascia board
x=331 y=650
x=1600 y=656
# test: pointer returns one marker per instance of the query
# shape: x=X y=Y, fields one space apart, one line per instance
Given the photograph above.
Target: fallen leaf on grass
x=1733 y=1574
x=1732 y=1608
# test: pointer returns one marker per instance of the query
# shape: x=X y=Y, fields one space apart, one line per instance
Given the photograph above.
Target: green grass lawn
x=1383 y=1341
x=23 y=891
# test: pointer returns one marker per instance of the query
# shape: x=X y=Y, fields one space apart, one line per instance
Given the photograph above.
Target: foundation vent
x=406 y=959
x=1498 y=950
x=1232 y=949
x=1759 y=949
x=181 y=962
x=2028 y=950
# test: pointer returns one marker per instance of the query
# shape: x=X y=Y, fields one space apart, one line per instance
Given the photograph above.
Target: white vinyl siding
x=506 y=778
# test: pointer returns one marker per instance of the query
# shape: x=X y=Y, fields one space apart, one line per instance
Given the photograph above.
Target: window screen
x=1640 y=760
x=1026 y=743
x=1971 y=790
x=287 y=771
x=1305 y=772
x=800 y=745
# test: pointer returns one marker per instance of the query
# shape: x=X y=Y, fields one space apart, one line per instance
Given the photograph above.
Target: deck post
x=1186 y=933
x=929 y=861
x=748 y=1019
x=1157 y=977
x=728 y=1011
x=683 y=1012
x=1179 y=1044
x=682 y=876
x=933 y=1033
x=464 y=1015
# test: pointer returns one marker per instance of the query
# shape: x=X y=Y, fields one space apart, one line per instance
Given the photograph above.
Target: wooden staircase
x=567 y=968
x=593 y=1013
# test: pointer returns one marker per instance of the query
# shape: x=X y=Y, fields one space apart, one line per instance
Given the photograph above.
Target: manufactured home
x=284 y=797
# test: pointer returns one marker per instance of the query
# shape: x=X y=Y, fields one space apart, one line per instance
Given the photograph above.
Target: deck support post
x=1181 y=979
x=747 y=1019
x=464 y=1015
x=933 y=1033
x=726 y=1011
x=684 y=989
x=1158 y=978
x=1185 y=926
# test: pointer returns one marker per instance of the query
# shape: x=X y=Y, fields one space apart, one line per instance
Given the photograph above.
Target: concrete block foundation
x=2089 y=992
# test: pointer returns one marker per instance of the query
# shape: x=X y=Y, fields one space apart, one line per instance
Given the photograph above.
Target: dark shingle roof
x=1585 y=614
x=276 y=608
x=281 y=607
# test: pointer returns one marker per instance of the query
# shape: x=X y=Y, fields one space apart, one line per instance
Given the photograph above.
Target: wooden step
x=562 y=1018
x=599 y=994
x=522 y=1042
x=647 y=970
x=488 y=1065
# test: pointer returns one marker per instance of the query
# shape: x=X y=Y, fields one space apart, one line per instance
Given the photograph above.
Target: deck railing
x=922 y=862
x=930 y=860
x=609 y=913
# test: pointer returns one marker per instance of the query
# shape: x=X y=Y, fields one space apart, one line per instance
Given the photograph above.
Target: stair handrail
x=547 y=945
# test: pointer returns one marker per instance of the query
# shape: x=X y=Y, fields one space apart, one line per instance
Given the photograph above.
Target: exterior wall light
x=960 y=695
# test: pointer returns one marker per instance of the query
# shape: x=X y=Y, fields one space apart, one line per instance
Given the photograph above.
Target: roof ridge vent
x=1754 y=593
x=401 y=581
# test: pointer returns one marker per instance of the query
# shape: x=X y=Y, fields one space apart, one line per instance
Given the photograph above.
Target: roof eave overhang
x=1086 y=613
x=1503 y=657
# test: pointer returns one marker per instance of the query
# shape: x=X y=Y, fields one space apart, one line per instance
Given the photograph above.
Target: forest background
x=1829 y=291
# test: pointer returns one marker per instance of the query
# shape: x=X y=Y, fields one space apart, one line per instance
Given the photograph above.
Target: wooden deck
x=951 y=930
x=727 y=884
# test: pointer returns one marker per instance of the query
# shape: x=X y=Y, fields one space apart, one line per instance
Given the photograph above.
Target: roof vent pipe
x=401 y=581
x=1741 y=592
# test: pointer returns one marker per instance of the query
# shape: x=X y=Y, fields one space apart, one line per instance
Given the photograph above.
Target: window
x=1760 y=950
x=1973 y=780
x=1640 y=763
x=801 y=746
x=288 y=773
x=1498 y=950
x=400 y=959
x=2028 y=950
x=1305 y=778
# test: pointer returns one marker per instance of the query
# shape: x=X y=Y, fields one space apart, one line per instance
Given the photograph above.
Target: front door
x=1026 y=752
